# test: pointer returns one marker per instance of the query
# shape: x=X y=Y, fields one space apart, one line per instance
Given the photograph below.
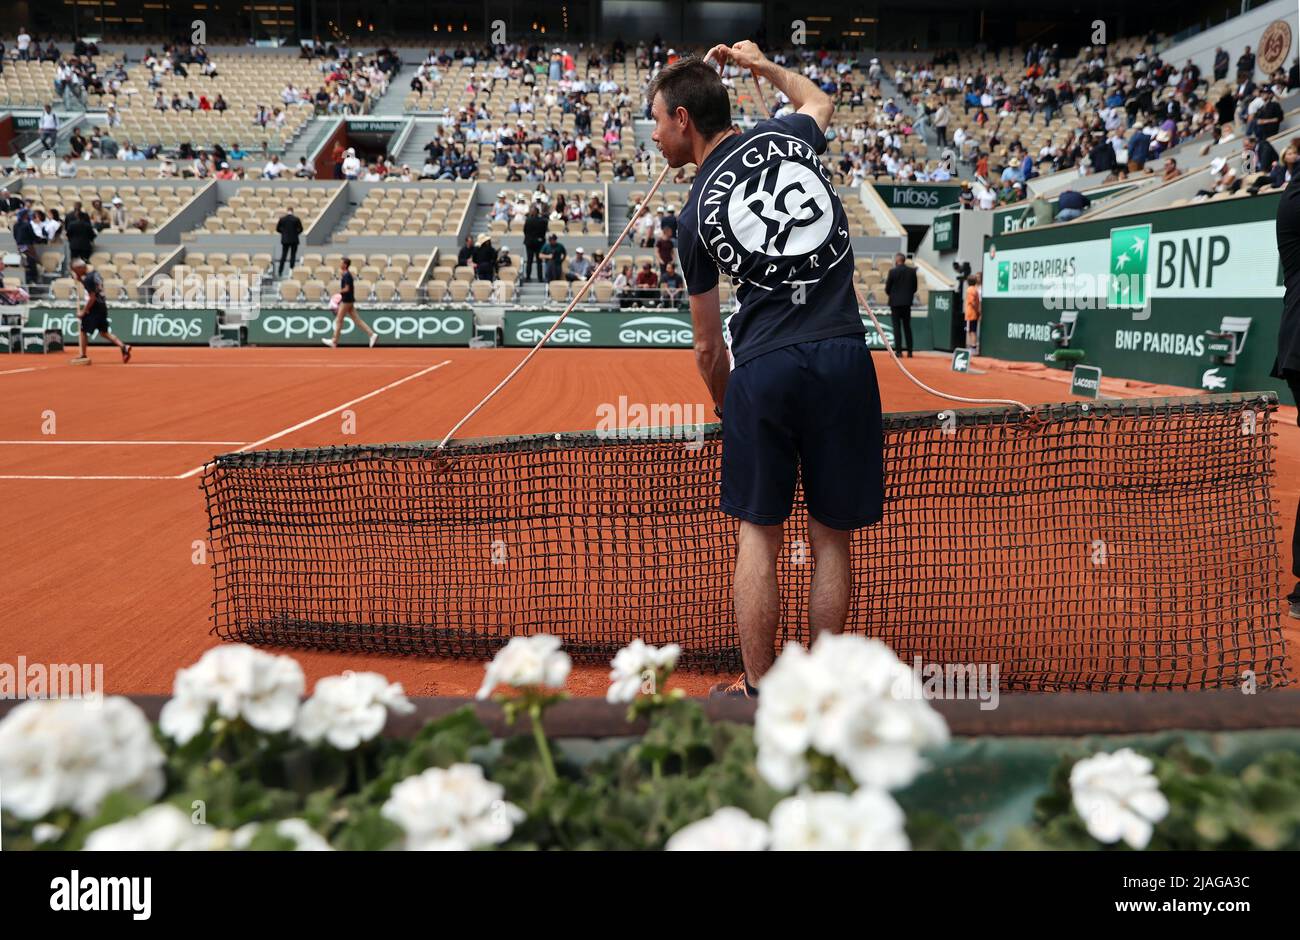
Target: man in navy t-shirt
x=789 y=372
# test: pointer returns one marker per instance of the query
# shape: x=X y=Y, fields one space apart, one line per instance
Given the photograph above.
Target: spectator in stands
x=1171 y=171
x=664 y=247
x=1257 y=155
x=580 y=268
x=466 y=253
x=304 y=170
x=273 y=169
x=1268 y=118
x=67 y=169
x=99 y=216
x=81 y=235
x=647 y=284
x=485 y=258
x=1246 y=65
x=1220 y=64
x=24 y=44
x=1071 y=204
x=1139 y=148
x=623 y=286
x=553 y=254
x=1223 y=179
x=289 y=229
x=670 y=285
x=49 y=127
x=535 y=226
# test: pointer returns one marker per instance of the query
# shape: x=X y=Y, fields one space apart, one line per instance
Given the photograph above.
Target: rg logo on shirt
x=768 y=215
x=784 y=210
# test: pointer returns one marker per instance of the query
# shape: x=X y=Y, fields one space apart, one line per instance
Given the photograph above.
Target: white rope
x=609 y=257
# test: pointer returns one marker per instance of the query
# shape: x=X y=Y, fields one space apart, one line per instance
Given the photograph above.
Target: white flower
x=65 y=753
x=527 y=661
x=1118 y=797
x=239 y=682
x=633 y=662
x=728 y=830
x=453 y=809
x=867 y=821
x=304 y=837
x=161 y=828
x=45 y=832
x=850 y=698
x=348 y=709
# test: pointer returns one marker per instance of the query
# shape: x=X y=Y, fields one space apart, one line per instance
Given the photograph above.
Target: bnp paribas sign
x=1133 y=264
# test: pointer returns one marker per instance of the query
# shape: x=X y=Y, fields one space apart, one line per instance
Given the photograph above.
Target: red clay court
x=104 y=514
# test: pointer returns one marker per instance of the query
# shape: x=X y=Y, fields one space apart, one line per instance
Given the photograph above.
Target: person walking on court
x=790 y=375
x=93 y=315
x=348 y=306
x=900 y=287
x=1287 y=364
x=289 y=227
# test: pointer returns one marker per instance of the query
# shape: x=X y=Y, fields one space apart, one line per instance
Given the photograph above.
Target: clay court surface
x=102 y=516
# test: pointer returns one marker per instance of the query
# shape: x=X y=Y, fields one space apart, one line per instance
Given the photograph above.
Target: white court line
x=324 y=414
x=16 y=371
x=128 y=443
x=37 y=476
x=269 y=365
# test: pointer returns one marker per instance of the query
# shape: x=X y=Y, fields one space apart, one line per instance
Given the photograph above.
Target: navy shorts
x=96 y=319
x=811 y=409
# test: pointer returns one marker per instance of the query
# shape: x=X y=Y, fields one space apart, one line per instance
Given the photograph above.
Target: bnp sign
x=1128 y=266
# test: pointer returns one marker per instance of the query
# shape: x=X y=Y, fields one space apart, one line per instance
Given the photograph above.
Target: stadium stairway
x=424 y=130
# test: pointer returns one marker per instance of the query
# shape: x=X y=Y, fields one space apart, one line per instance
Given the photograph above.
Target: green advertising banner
x=945 y=231
x=668 y=328
x=1146 y=291
x=943 y=308
x=428 y=327
x=917 y=195
x=141 y=325
x=922 y=336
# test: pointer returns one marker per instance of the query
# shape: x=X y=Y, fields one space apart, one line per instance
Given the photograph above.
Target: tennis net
x=1109 y=545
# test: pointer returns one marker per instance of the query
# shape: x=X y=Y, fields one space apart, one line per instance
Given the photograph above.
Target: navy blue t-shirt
x=764 y=210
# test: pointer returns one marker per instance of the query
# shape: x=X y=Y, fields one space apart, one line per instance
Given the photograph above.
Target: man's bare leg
x=356 y=318
x=758 y=596
x=832 y=582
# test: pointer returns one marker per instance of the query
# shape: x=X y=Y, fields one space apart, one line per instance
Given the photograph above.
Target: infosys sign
x=395 y=328
x=916 y=195
x=526 y=328
x=141 y=326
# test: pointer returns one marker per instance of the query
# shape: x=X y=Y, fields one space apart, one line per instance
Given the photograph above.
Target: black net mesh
x=1108 y=545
